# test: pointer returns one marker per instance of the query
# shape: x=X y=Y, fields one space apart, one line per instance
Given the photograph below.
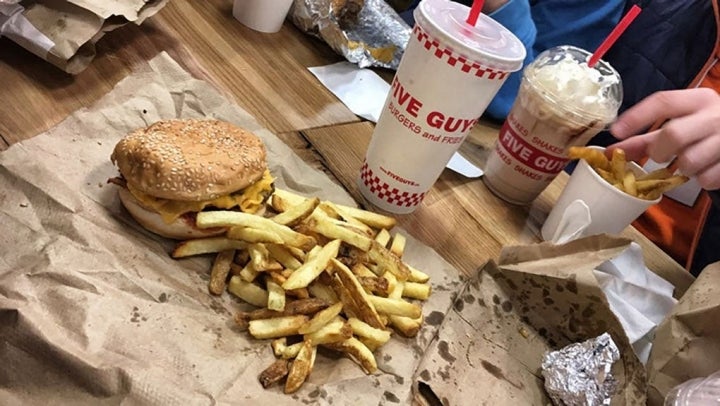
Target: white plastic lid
x=488 y=42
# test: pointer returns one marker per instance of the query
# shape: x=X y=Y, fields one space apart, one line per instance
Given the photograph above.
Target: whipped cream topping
x=572 y=82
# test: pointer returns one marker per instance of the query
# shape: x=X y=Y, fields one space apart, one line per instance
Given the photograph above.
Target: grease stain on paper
x=444 y=350
x=495 y=371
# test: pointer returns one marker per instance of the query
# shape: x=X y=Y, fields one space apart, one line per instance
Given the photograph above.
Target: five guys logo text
x=529 y=155
x=407 y=109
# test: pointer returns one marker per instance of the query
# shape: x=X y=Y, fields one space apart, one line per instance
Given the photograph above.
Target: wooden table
x=266 y=74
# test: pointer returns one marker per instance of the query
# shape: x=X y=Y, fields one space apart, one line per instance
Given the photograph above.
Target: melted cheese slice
x=249 y=200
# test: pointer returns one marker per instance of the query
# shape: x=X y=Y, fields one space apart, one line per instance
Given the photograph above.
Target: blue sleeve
x=515 y=16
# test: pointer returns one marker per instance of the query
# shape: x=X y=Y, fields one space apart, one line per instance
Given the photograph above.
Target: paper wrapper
x=94 y=309
x=687 y=343
x=64 y=32
x=541 y=297
x=365 y=32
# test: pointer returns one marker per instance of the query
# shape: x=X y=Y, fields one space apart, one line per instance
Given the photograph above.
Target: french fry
x=618 y=163
x=629 y=184
x=276 y=296
x=350 y=220
x=300 y=368
x=299 y=293
x=335 y=331
x=254 y=235
x=219 y=271
x=283 y=255
x=312 y=268
x=276 y=327
x=259 y=256
x=292 y=198
x=205 y=246
x=406 y=326
x=417 y=276
x=321 y=318
x=362 y=329
x=208 y=219
x=358 y=351
x=389 y=261
x=374 y=220
x=247 y=273
x=660 y=173
x=323 y=292
x=363 y=304
x=596 y=158
x=395 y=307
x=361 y=270
x=398 y=245
x=415 y=290
x=282 y=350
x=383 y=237
x=292 y=308
x=249 y=292
x=274 y=373
x=607 y=175
x=295 y=214
x=336 y=231
x=374 y=284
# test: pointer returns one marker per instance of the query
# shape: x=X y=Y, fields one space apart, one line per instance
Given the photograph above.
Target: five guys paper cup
x=449 y=73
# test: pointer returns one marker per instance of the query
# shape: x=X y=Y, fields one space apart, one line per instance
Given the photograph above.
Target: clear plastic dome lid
x=488 y=41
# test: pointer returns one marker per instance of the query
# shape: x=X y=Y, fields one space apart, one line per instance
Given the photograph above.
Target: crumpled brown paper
x=93 y=309
x=64 y=32
x=687 y=343
x=541 y=297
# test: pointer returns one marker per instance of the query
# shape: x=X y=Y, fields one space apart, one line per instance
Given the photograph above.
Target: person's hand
x=692 y=133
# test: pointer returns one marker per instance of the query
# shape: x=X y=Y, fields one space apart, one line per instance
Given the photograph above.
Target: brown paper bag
x=64 y=32
x=687 y=343
x=541 y=297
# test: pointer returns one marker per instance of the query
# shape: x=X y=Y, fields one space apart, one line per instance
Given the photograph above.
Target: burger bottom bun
x=180 y=229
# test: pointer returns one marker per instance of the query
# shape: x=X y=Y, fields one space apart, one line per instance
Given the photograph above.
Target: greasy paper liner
x=540 y=298
x=92 y=307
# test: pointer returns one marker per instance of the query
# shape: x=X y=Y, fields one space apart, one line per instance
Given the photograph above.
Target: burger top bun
x=180 y=229
x=190 y=160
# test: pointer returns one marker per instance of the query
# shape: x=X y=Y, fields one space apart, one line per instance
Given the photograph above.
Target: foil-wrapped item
x=366 y=32
x=579 y=374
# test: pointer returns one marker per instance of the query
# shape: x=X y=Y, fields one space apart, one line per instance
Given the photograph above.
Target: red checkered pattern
x=455 y=60
x=385 y=192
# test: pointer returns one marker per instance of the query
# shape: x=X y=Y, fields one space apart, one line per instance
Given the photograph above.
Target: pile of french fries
x=320 y=274
x=649 y=186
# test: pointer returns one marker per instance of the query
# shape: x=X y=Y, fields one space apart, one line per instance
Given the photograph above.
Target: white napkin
x=639 y=298
x=364 y=93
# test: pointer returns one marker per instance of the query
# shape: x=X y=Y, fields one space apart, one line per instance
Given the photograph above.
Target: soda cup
x=449 y=73
x=561 y=103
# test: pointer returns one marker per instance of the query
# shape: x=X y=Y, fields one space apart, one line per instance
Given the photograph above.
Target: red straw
x=475 y=12
x=614 y=35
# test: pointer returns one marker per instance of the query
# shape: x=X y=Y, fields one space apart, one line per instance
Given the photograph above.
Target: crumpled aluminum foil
x=579 y=374
x=365 y=32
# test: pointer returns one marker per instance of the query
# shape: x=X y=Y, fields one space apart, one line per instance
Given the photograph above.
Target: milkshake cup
x=449 y=73
x=561 y=103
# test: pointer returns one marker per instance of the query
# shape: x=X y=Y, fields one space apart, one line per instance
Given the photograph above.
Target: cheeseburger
x=173 y=169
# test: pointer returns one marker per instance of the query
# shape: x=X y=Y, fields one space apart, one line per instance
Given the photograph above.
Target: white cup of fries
x=615 y=192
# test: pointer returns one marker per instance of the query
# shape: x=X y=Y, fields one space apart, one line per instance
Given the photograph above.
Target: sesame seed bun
x=180 y=229
x=190 y=160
